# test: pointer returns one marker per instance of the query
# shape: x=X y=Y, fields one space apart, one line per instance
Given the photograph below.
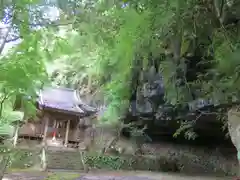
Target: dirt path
x=118 y=175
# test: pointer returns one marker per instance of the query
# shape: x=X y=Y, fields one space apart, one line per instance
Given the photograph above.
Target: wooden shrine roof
x=64 y=100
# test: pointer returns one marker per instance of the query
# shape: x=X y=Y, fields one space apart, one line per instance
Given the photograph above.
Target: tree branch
x=43 y=24
x=13 y=39
x=5 y=97
x=4 y=40
x=4 y=162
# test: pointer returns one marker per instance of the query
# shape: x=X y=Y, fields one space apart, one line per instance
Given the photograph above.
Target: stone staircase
x=64 y=160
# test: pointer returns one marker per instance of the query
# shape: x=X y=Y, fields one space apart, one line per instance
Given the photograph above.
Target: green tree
x=113 y=40
x=23 y=64
x=106 y=45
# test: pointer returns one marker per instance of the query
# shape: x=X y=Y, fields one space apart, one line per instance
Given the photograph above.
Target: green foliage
x=104 y=57
x=23 y=67
x=20 y=159
x=103 y=44
x=7 y=120
x=187 y=129
x=105 y=162
x=112 y=162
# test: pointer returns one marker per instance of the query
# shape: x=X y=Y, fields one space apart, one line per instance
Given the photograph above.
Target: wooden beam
x=67 y=133
x=54 y=123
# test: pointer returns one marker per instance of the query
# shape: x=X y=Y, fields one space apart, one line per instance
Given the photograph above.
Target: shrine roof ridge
x=64 y=99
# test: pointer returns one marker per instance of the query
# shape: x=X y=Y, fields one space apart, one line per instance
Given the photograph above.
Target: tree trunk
x=3 y=165
x=15 y=138
x=44 y=144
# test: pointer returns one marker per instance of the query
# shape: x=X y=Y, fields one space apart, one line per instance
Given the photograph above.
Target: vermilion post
x=54 y=135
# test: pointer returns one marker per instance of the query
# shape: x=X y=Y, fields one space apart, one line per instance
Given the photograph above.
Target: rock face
x=234 y=129
x=150 y=106
x=98 y=138
x=147 y=106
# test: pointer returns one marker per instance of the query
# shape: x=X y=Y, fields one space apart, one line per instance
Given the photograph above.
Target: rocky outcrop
x=234 y=130
x=149 y=106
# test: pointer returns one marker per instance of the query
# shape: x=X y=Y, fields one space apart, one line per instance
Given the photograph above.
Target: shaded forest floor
x=199 y=159
x=164 y=156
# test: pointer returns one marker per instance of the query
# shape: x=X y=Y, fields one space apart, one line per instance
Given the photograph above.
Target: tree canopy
x=109 y=49
x=193 y=45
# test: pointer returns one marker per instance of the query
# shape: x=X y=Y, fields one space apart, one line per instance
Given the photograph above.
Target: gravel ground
x=121 y=175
